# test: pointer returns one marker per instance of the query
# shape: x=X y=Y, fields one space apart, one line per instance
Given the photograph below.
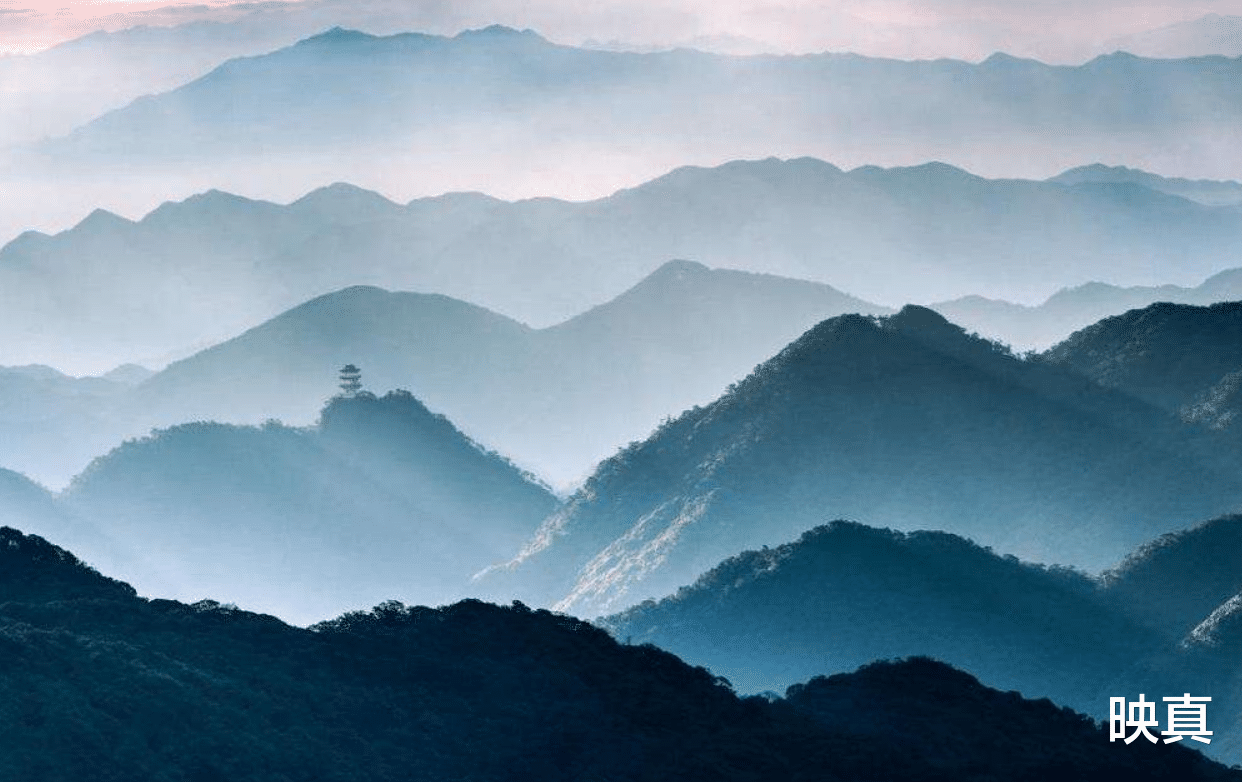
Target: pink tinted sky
x=30 y=25
x=1056 y=30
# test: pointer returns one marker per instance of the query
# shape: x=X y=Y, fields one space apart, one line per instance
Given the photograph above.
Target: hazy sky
x=1053 y=30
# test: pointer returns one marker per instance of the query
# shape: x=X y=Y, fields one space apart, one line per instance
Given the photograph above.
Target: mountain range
x=52 y=425
x=472 y=112
x=771 y=528
x=410 y=83
x=51 y=92
x=557 y=399
x=1204 y=191
x=99 y=683
x=111 y=290
x=904 y=421
x=1072 y=309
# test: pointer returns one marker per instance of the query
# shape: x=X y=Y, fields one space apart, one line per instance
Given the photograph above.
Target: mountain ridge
x=212 y=691
x=550 y=260
x=444 y=95
x=907 y=418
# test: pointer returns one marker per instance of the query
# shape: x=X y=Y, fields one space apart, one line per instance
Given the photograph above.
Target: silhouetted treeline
x=97 y=684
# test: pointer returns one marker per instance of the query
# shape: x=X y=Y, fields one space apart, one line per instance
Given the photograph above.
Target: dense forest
x=98 y=684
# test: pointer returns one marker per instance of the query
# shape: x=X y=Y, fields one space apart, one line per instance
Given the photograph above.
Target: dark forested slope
x=99 y=684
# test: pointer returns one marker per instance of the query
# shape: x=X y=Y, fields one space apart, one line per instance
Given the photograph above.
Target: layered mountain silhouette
x=1204 y=191
x=557 y=399
x=472 y=691
x=1182 y=358
x=51 y=425
x=846 y=593
x=53 y=91
x=383 y=497
x=26 y=503
x=833 y=105
x=1072 y=309
x=903 y=421
x=207 y=268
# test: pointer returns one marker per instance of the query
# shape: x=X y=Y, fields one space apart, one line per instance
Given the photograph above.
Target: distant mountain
x=286 y=367
x=415 y=88
x=1176 y=356
x=902 y=421
x=58 y=89
x=1204 y=191
x=214 y=265
x=128 y=374
x=845 y=594
x=381 y=498
x=26 y=503
x=1207 y=35
x=557 y=399
x=209 y=691
x=1071 y=309
x=50 y=422
x=173 y=267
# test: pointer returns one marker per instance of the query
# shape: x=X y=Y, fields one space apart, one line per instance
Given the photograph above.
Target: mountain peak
x=499 y=32
x=1004 y=60
x=213 y=202
x=342 y=199
x=1095 y=170
x=1114 y=58
x=340 y=189
x=336 y=35
x=770 y=170
x=678 y=269
x=128 y=374
x=914 y=316
x=939 y=168
x=933 y=172
x=102 y=219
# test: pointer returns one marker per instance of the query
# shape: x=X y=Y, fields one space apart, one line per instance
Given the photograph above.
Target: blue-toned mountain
x=903 y=421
